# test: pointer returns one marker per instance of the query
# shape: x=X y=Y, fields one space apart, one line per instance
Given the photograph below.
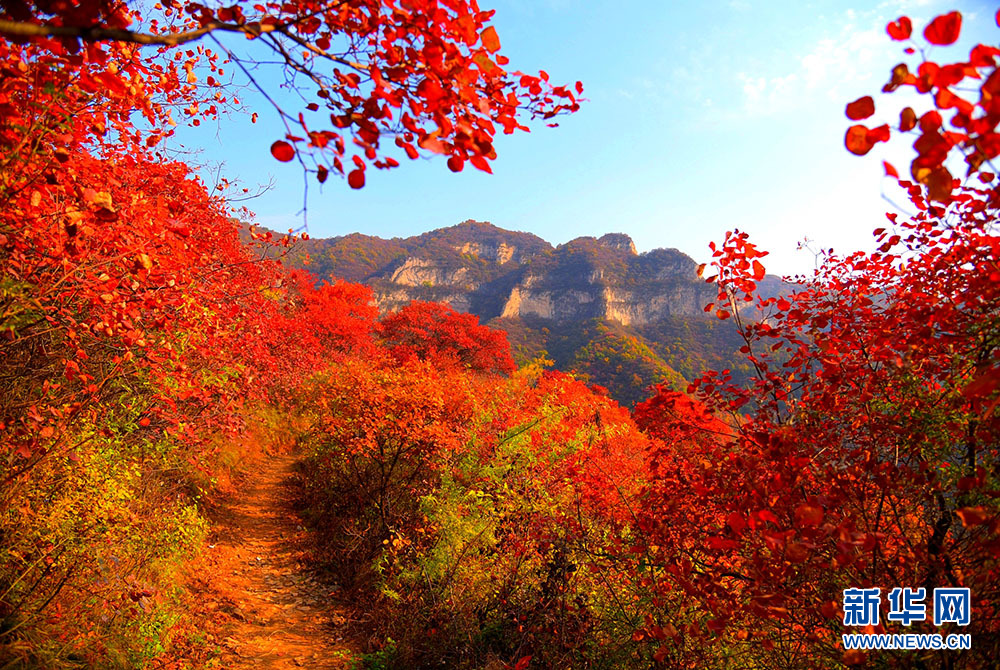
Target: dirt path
x=274 y=613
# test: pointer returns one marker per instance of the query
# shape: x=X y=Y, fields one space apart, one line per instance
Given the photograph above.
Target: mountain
x=618 y=318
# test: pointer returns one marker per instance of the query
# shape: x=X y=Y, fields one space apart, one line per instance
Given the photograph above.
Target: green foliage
x=624 y=365
x=92 y=544
x=383 y=659
x=484 y=562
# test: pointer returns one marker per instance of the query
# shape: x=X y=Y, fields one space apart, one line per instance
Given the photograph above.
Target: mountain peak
x=481 y=268
x=619 y=241
x=625 y=320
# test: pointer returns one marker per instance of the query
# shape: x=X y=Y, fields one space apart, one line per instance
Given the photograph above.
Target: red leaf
x=321 y=174
x=930 y=121
x=944 y=29
x=907 y=119
x=433 y=144
x=283 y=151
x=861 y=108
x=758 y=270
x=491 y=42
x=900 y=29
x=480 y=163
x=880 y=134
x=901 y=76
x=716 y=625
x=356 y=179
x=939 y=184
x=721 y=544
x=796 y=552
x=768 y=515
x=857 y=141
x=455 y=164
x=430 y=90
x=890 y=171
x=973 y=516
x=808 y=515
x=983 y=385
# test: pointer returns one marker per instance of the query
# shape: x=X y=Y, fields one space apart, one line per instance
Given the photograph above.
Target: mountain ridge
x=599 y=308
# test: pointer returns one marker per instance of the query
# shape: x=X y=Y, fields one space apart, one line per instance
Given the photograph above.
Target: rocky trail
x=266 y=609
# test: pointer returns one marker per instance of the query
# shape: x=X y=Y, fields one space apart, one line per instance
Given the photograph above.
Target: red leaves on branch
x=956 y=122
x=431 y=76
x=873 y=387
x=974 y=516
x=141 y=329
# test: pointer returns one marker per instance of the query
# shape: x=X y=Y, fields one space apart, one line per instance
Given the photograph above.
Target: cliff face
x=498 y=273
x=591 y=303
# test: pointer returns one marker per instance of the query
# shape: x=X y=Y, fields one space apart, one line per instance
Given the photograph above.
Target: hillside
x=596 y=306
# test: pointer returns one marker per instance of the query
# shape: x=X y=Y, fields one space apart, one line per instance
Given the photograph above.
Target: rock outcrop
x=595 y=305
x=499 y=273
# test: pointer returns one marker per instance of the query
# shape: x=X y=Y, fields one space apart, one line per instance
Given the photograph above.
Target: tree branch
x=103 y=34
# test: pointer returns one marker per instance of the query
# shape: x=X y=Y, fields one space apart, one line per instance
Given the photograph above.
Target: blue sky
x=702 y=117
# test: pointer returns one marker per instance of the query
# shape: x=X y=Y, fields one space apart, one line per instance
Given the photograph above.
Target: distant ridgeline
x=615 y=317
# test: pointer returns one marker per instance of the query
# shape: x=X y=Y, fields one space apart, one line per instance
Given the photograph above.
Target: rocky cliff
x=546 y=296
x=499 y=273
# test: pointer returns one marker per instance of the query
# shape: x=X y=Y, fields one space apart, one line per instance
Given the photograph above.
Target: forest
x=157 y=356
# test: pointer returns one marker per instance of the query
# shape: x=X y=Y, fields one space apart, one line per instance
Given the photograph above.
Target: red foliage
x=865 y=452
x=670 y=415
x=134 y=318
x=424 y=76
x=282 y=151
x=436 y=332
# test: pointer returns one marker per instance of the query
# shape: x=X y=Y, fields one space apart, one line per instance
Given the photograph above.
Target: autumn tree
x=436 y=332
x=140 y=331
x=864 y=454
